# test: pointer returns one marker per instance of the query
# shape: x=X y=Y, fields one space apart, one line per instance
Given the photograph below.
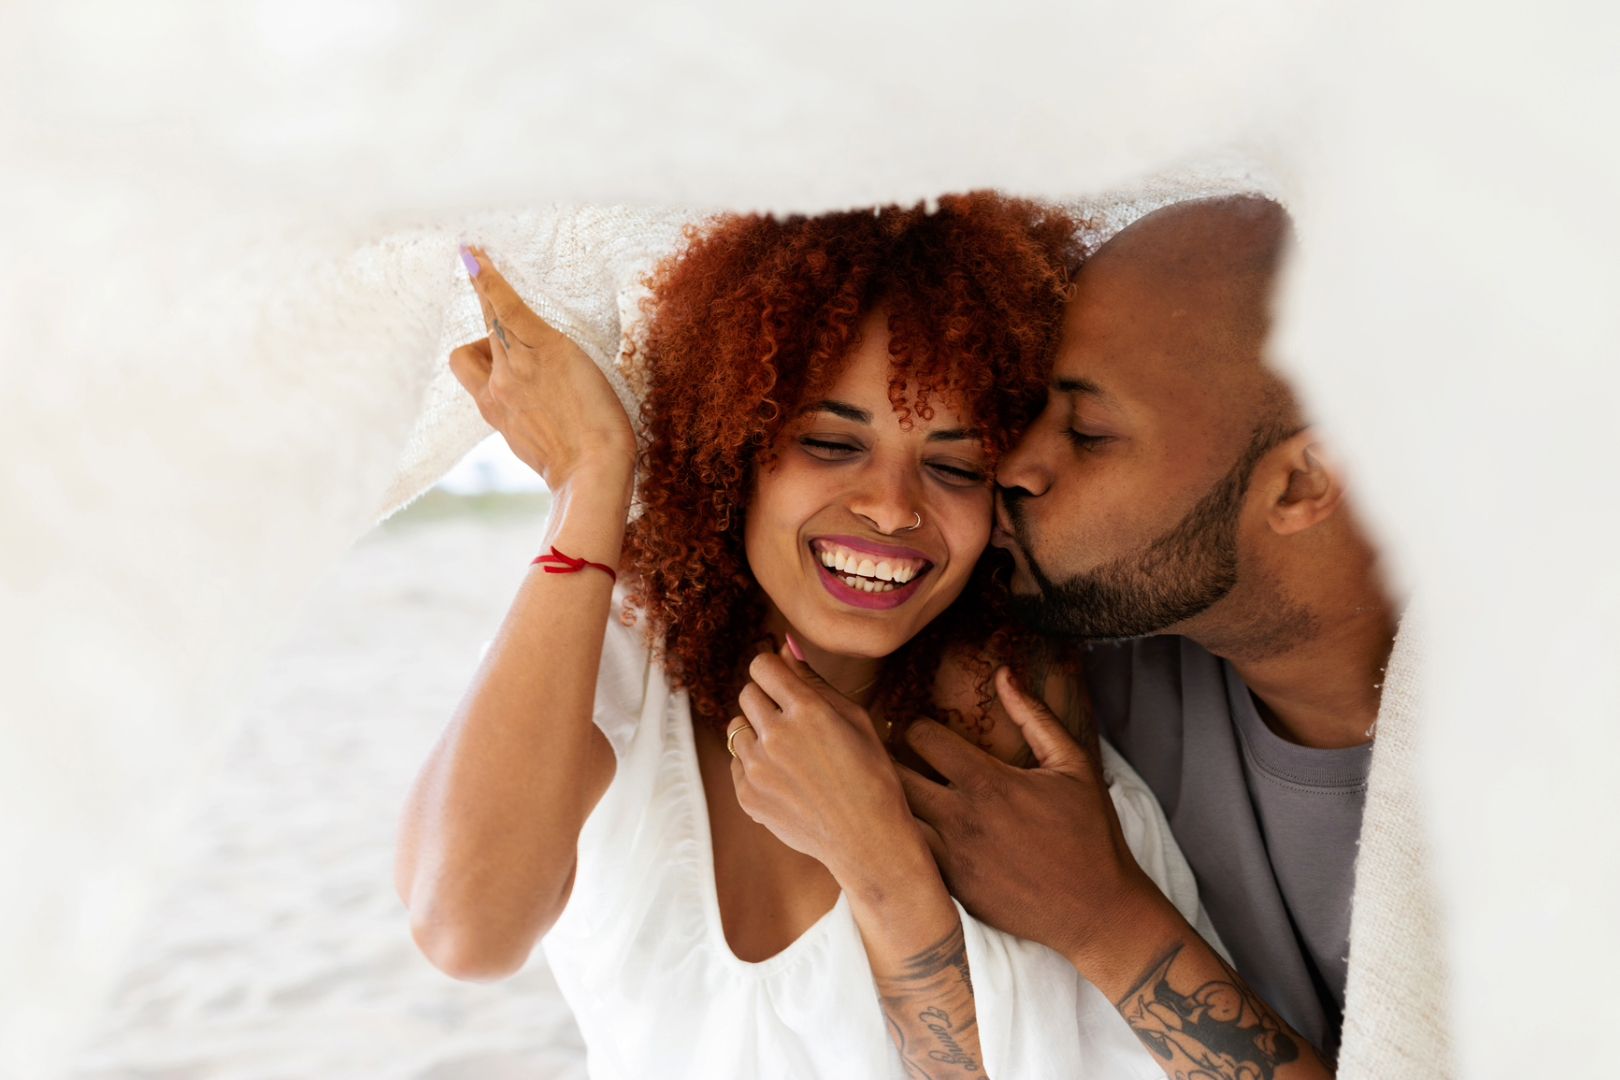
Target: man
x=1171 y=497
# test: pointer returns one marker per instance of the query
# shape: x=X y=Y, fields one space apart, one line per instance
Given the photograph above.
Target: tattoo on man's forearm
x=1218 y=1031
x=929 y=1008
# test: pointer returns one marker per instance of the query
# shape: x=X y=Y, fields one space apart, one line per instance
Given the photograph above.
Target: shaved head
x=1161 y=409
x=1215 y=260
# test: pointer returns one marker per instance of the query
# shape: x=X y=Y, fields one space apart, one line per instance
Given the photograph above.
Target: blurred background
x=278 y=949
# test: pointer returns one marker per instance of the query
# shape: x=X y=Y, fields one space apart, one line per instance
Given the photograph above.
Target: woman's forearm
x=487 y=840
x=914 y=942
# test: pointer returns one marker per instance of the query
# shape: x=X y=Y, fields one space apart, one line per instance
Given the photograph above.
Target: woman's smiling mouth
x=867 y=574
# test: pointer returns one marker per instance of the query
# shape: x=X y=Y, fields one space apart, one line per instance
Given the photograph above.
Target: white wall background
x=230 y=269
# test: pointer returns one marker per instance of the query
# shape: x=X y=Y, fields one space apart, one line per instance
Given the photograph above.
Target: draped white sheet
x=230 y=277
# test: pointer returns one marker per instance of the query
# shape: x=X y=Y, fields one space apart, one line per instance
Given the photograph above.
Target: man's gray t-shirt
x=1269 y=827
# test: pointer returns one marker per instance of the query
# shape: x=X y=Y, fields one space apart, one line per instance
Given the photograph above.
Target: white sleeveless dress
x=640 y=955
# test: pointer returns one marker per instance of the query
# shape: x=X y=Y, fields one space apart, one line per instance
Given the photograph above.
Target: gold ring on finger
x=731 y=736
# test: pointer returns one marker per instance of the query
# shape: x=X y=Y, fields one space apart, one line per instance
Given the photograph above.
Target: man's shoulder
x=1141 y=680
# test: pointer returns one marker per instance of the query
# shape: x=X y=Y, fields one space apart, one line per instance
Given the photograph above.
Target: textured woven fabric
x=1395 y=1015
x=581 y=268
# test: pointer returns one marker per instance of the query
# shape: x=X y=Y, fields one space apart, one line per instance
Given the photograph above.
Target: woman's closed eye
x=954 y=473
x=959 y=475
x=831 y=449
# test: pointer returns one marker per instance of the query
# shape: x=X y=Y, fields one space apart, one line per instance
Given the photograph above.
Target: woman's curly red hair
x=755 y=316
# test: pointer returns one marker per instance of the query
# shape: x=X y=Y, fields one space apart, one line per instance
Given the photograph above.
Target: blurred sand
x=282 y=951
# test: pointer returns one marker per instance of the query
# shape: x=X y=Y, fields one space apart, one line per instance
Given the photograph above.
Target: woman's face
x=829 y=532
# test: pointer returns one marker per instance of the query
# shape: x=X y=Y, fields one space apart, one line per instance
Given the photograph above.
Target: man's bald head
x=1226 y=234
x=1207 y=267
x=1126 y=496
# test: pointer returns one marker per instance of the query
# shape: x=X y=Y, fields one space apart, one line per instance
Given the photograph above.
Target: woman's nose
x=888 y=503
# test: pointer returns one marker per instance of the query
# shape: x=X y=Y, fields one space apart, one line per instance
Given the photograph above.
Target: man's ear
x=1309 y=485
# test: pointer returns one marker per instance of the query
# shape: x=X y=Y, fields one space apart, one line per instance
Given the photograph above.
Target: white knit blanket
x=1396 y=1015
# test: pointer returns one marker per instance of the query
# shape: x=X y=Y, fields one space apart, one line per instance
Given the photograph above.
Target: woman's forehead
x=867 y=386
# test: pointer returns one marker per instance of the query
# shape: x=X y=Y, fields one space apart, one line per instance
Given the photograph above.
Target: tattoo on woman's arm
x=1218 y=1030
x=929 y=1008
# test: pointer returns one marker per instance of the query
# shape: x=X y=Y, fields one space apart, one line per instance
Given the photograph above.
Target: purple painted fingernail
x=469 y=260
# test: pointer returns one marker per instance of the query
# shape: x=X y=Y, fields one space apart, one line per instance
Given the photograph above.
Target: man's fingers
x=935 y=842
x=1054 y=747
x=952 y=756
x=929 y=801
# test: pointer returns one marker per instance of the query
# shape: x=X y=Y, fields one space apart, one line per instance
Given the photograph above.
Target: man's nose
x=1022 y=466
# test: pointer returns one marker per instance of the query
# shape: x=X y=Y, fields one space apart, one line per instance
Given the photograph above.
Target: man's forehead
x=1152 y=377
x=1110 y=350
x=1128 y=332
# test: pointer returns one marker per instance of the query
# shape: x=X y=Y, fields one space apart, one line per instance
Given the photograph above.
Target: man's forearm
x=1193 y=1012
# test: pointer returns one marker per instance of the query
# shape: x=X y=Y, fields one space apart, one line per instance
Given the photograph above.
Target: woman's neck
x=856 y=677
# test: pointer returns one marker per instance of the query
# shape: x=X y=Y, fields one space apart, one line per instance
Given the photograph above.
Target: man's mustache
x=1010 y=513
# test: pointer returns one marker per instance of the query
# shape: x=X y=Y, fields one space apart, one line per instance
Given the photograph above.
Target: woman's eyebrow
x=842 y=409
x=846 y=411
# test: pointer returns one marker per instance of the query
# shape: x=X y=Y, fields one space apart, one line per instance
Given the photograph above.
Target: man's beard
x=1177 y=576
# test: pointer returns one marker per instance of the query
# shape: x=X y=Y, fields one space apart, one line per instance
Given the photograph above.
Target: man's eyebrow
x=841 y=409
x=1077 y=386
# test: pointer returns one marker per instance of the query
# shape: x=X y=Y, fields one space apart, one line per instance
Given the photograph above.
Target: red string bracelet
x=555 y=562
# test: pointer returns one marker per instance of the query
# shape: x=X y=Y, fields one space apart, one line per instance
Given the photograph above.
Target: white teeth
x=860 y=584
x=845 y=561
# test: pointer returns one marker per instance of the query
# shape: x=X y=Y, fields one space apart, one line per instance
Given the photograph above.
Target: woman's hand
x=536 y=387
x=810 y=768
x=813 y=771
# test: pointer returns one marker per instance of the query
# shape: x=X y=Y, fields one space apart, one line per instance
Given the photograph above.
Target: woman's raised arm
x=487 y=842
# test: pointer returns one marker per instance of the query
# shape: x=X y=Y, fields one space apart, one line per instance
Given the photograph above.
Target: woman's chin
x=841 y=629
x=870 y=635
x=855 y=646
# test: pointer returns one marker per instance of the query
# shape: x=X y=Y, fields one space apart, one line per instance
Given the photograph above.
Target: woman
x=823 y=400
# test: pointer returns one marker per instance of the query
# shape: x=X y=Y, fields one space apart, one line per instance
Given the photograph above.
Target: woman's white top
x=642 y=960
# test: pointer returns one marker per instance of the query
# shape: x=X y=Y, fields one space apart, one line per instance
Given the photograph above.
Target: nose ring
x=916 y=525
